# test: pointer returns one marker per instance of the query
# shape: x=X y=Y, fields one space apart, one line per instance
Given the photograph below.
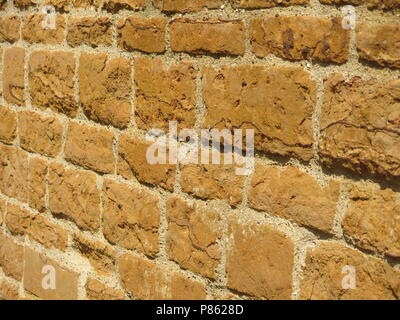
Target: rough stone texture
x=164 y=93
x=40 y=134
x=379 y=43
x=24 y=4
x=184 y=6
x=13 y=75
x=213 y=36
x=73 y=194
x=323 y=275
x=21 y=222
x=11 y=257
x=143 y=34
x=95 y=290
x=90 y=147
x=1 y=72
x=213 y=182
x=8 y=125
x=3 y=206
x=373 y=4
x=343 y=1
x=105 y=88
x=37 y=183
x=276 y=102
x=184 y=288
x=260 y=261
x=290 y=38
x=101 y=255
x=131 y=218
x=294 y=195
x=8 y=290
x=66 y=280
x=9 y=28
x=67 y=5
x=147 y=280
x=77 y=179
x=116 y=5
x=14 y=172
x=360 y=126
x=384 y=4
x=90 y=31
x=33 y=31
x=254 y=4
x=192 y=237
x=133 y=162
x=373 y=219
x=51 y=81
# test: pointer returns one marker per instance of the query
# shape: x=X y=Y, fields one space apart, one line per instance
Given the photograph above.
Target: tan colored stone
x=67 y=5
x=100 y=255
x=34 y=273
x=184 y=288
x=372 y=4
x=40 y=134
x=146 y=280
x=3 y=4
x=116 y=5
x=260 y=261
x=184 y=6
x=37 y=188
x=14 y=172
x=90 y=147
x=359 y=126
x=379 y=43
x=8 y=126
x=51 y=81
x=13 y=75
x=294 y=195
x=192 y=237
x=33 y=31
x=1 y=72
x=213 y=36
x=24 y=4
x=164 y=94
x=257 y=4
x=213 y=182
x=9 y=28
x=277 y=103
x=132 y=162
x=74 y=194
x=383 y=4
x=21 y=222
x=11 y=257
x=324 y=274
x=143 y=34
x=8 y=290
x=131 y=218
x=373 y=219
x=89 y=31
x=95 y=290
x=105 y=88
x=356 y=2
x=290 y=38
x=3 y=206
x=143 y=278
